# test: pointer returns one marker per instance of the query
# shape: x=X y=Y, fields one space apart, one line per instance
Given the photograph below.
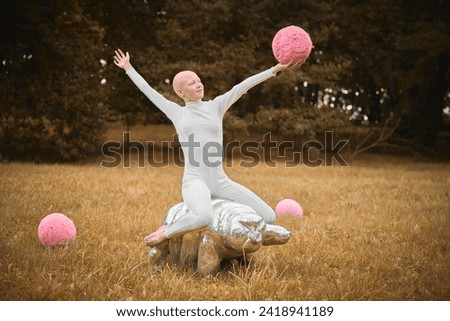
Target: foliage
x=51 y=109
x=402 y=47
x=394 y=54
x=233 y=125
x=300 y=125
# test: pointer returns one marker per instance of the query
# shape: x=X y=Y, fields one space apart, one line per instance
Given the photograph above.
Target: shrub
x=300 y=124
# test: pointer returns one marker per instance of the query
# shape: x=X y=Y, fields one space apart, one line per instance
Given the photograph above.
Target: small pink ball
x=288 y=207
x=56 y=229
x=291 y=44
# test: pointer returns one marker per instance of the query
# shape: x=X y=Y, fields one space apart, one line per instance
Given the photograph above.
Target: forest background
x=377 y=66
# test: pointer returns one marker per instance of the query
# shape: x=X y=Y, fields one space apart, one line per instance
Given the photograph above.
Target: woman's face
x=188 y=86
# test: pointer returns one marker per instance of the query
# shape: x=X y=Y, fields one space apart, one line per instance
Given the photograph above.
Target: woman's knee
x=269 y=216
x=262 y=209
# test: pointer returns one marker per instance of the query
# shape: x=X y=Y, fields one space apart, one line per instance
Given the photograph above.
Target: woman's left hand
x=280 y=67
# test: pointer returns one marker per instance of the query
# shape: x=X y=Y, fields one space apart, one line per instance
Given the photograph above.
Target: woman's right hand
x=122 y=60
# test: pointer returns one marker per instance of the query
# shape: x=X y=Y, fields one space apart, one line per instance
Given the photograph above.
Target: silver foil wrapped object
x=236 y=231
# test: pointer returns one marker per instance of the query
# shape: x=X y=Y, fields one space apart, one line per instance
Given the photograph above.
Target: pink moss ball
x=288 y=207
x=56 y=229
x=291 y=44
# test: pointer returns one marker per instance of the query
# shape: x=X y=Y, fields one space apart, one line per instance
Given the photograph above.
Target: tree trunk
x=439 y=85
x=374 y=103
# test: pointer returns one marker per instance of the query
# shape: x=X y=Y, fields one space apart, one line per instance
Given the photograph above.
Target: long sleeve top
x=199 y=124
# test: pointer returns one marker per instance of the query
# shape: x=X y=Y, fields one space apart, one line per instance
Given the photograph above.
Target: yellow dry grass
x=378 y=229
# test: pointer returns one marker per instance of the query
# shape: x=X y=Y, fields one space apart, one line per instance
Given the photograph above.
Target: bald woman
x=199 y=127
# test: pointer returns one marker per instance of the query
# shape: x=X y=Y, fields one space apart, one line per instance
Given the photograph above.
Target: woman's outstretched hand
x=280 y=67
x=122 y=60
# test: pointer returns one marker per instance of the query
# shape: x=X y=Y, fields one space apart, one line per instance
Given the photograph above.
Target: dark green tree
x=55 y=55
x=400 y=59
x=51 y=82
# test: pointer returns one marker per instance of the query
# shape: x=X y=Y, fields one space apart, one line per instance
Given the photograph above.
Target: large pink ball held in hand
x=291 y=44
x=56 y=229
x=288 y=207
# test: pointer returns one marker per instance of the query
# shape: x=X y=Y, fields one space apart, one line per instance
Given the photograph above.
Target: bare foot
x=156 y=237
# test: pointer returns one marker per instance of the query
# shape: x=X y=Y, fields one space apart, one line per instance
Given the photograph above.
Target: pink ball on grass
x=291 y=44
x=288 y=207
x=56 y=229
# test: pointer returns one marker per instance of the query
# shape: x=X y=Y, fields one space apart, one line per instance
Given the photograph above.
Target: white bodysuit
x=200 y=133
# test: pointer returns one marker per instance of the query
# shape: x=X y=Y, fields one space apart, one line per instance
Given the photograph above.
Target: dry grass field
x=378 y=229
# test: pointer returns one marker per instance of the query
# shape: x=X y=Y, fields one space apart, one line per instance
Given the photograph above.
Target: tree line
x=381 y=63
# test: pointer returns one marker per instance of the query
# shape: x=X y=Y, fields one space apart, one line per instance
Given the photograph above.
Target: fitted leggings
x=197 y=197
